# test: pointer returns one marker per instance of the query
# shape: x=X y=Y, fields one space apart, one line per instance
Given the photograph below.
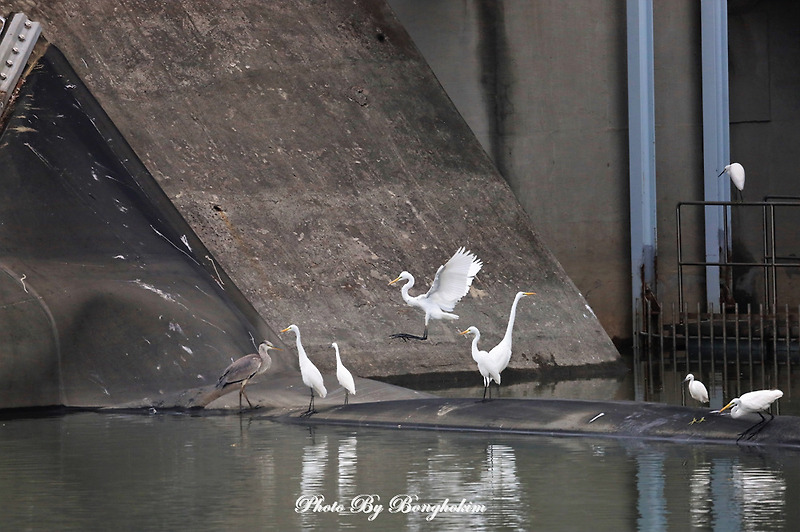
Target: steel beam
x=716 y=137
x=641 y=138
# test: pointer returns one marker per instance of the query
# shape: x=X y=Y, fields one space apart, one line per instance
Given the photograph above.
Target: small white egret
x=736 y=172
x=697 y=389
x=344 y=376
x=311 y=375
x=241 y=370
x=500 y=355
x=485 y=367
x=451 y=283
x=753 y=402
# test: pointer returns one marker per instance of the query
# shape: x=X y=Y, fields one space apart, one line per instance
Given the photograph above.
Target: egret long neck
x=511 y=318
x=300 y=351
x=406 y=287
x=475 y=349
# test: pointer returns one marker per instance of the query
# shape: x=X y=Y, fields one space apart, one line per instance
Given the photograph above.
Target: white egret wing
x=453 y=279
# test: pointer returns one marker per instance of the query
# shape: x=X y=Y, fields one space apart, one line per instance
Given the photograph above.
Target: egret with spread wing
x=245 y=368
x=753 y=402
x=344 y=376
x=451 y=283
x=308 y=371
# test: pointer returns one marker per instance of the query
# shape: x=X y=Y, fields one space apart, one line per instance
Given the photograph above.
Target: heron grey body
x=241 y=370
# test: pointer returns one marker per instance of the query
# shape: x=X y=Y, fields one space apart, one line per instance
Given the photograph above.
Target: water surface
x=181 y=472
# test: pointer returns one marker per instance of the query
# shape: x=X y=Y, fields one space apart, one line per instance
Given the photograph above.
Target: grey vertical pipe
x=641 y=138
x=716 y=135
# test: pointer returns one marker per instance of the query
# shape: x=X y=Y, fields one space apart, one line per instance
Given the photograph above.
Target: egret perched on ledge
x=697 y=389
x=498 y=358
x=344 y=376
x=488 y=370
x=736 y=172
x=308 y=371
x=451 y=283
x=245 y=368
x=753 y=402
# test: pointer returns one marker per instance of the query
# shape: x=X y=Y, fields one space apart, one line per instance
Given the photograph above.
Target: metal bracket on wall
x=18 y=39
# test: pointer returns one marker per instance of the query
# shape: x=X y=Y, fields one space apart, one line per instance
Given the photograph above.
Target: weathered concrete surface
x=314 y=153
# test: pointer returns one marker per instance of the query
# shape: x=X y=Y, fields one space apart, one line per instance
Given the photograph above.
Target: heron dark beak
x=722 y=172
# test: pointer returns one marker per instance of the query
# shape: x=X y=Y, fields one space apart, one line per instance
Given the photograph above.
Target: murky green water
x=93 y=471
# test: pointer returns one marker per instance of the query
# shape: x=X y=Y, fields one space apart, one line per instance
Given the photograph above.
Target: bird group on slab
x=450 y=284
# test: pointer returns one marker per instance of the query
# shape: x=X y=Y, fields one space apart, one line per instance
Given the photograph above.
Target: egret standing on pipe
x=500 y=355
x=308 y=371
x=451 y=283
x=736 y=172
x=487 y=370
x=245 y=368
x=697 y=389
x=344 y=376
x=753 y=402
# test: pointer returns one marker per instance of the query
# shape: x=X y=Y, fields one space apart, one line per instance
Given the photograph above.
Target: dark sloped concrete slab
x=625 y=419
x=106 y=294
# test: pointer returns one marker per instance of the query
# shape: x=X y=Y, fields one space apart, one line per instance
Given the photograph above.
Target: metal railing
x=771 y=260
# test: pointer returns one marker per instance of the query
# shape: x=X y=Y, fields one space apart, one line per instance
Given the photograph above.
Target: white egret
x=500 y=355
x=753 y=402
x=241 y=370
x=488 y=370
x=311 y=375
x=344 y=376
x=697 y=389
x=451 y=283
x=736 y=172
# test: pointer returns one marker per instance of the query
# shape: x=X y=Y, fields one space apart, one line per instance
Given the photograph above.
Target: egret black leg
x=310 y=405
x=761 y=425
x=755 y=429
x=346 y=397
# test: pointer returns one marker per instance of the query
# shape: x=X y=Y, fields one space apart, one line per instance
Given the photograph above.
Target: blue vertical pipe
x=716 y=136
x=641 y=139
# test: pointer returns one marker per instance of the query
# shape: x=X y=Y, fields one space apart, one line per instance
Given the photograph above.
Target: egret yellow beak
x=530 y=293
x=464 y=332
x=392 y=282
x=726 y=407
x=284 y=330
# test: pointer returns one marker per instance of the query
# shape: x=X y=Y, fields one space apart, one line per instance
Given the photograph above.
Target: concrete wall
x=543 y=85
x=312 y=150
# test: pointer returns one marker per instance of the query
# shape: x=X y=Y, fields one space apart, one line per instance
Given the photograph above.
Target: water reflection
x=92 y=471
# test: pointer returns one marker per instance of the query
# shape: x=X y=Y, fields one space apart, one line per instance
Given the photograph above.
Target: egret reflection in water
x=204 y=467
